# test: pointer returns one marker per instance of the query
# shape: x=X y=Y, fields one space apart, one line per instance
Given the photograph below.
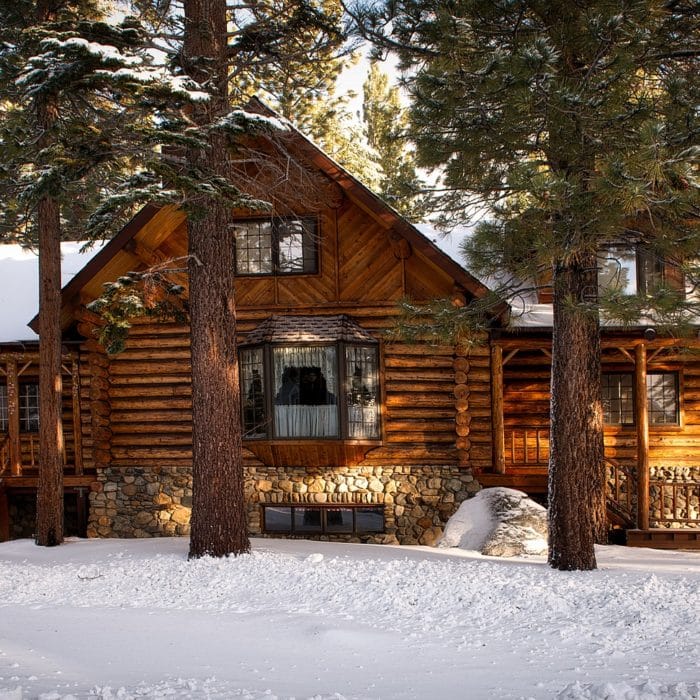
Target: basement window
x=322 y=520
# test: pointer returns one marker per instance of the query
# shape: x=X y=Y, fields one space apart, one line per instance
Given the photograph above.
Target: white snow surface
x=19 y=285
x=299 y=619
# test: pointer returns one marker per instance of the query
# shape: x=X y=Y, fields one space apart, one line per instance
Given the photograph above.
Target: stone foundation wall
x=136 y=502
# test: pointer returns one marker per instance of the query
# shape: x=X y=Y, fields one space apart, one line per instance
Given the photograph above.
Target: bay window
x=300 y=390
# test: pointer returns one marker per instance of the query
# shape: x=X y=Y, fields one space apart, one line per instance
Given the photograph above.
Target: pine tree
x=218 y=523
x=577 y=125
x=386 y=122
x=86 y=110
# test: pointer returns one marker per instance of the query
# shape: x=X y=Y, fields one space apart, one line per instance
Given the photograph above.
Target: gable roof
x=153 y=216
x=377 y=207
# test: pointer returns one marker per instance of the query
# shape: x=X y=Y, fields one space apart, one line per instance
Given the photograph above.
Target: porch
x=19 y=439
x=653 y=471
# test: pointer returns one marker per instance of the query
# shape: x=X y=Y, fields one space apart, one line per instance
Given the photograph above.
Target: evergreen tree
x=386 y=121
x=577 y=125
x=85 y=109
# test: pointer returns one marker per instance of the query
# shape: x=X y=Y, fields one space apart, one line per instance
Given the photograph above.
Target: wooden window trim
x=274 y=221
x=658 y=428
x=268 y=394
x=323 y=509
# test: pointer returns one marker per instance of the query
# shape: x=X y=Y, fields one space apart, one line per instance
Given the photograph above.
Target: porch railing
x=674 y=496
x=527 y=446
x=4 y=455
x=621 y=492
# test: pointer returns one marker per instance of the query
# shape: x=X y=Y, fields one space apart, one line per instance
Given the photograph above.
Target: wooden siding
x=526 y=398
x=150 y=408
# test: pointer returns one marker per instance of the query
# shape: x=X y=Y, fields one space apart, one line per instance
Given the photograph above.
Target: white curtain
x=305 y=390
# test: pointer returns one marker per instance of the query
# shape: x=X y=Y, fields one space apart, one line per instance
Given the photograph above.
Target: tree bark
x=49 y=524
x=576 y=470
x=218 y=524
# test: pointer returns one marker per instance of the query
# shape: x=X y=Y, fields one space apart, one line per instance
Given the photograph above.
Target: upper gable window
x=276 y=246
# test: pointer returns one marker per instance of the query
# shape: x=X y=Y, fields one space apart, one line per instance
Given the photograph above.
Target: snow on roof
x=19 y=285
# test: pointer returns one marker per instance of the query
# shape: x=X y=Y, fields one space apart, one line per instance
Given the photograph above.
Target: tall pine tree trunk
x=218 y=525
x=49 y=525
x=576 y=472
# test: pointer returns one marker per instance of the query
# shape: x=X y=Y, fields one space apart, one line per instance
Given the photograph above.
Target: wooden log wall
x=526 y=408
x=149 y=405
x=27 y=372
x=143 y=414
x=668 y=445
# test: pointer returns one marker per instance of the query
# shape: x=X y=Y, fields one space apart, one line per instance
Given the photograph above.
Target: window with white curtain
x=310 y=391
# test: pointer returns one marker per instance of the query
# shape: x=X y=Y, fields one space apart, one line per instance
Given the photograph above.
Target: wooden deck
x=663 y=538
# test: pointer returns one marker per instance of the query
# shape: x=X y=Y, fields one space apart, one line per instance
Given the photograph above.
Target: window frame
x=276 y=223
x=650 y=271
x=323 y=527
x=678 y=387
x=341 y=394
x=23 y=409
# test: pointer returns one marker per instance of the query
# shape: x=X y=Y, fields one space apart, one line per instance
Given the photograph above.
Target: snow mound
x=624 y=691
x=498 y=522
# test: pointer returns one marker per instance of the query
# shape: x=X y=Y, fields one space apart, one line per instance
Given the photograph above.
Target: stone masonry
x=154 y=502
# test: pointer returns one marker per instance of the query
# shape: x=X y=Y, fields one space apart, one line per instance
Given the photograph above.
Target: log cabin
x=348 y=434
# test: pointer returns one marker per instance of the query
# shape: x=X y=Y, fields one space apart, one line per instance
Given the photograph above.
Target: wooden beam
x=77 y=422
x=13 y=418
x=499 y=451
x=641 y=417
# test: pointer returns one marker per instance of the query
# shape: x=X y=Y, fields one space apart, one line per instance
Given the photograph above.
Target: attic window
x=276 y=246
x=305 y=377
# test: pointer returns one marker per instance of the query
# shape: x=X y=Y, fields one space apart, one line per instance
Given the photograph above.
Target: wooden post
x=641 y=419
x=499 y=460
x=77 y=422
x=13 y=418
x=4 y=515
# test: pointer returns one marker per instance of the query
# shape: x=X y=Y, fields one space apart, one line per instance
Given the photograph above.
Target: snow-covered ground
x=302 y=619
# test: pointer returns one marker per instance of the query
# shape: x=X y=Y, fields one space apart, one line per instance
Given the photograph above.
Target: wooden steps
x=662 y=538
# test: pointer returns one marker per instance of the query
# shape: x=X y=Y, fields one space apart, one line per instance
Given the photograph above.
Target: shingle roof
x=308 y=329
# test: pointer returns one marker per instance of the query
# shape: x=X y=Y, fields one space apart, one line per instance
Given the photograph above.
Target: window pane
x=369 y=519
x=662 y=398
x=362 y=390
x=618 y=399
x=278 y=519
x=29 y=408
x=253 y=241
x=296 y=246
x=650 y=272
x=307 y=520
x=617 y=270
x=305 y=389
x=3 y=408
x=253 y=393
x=338 y=520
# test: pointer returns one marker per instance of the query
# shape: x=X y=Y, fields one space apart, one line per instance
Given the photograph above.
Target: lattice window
x=276 y=246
